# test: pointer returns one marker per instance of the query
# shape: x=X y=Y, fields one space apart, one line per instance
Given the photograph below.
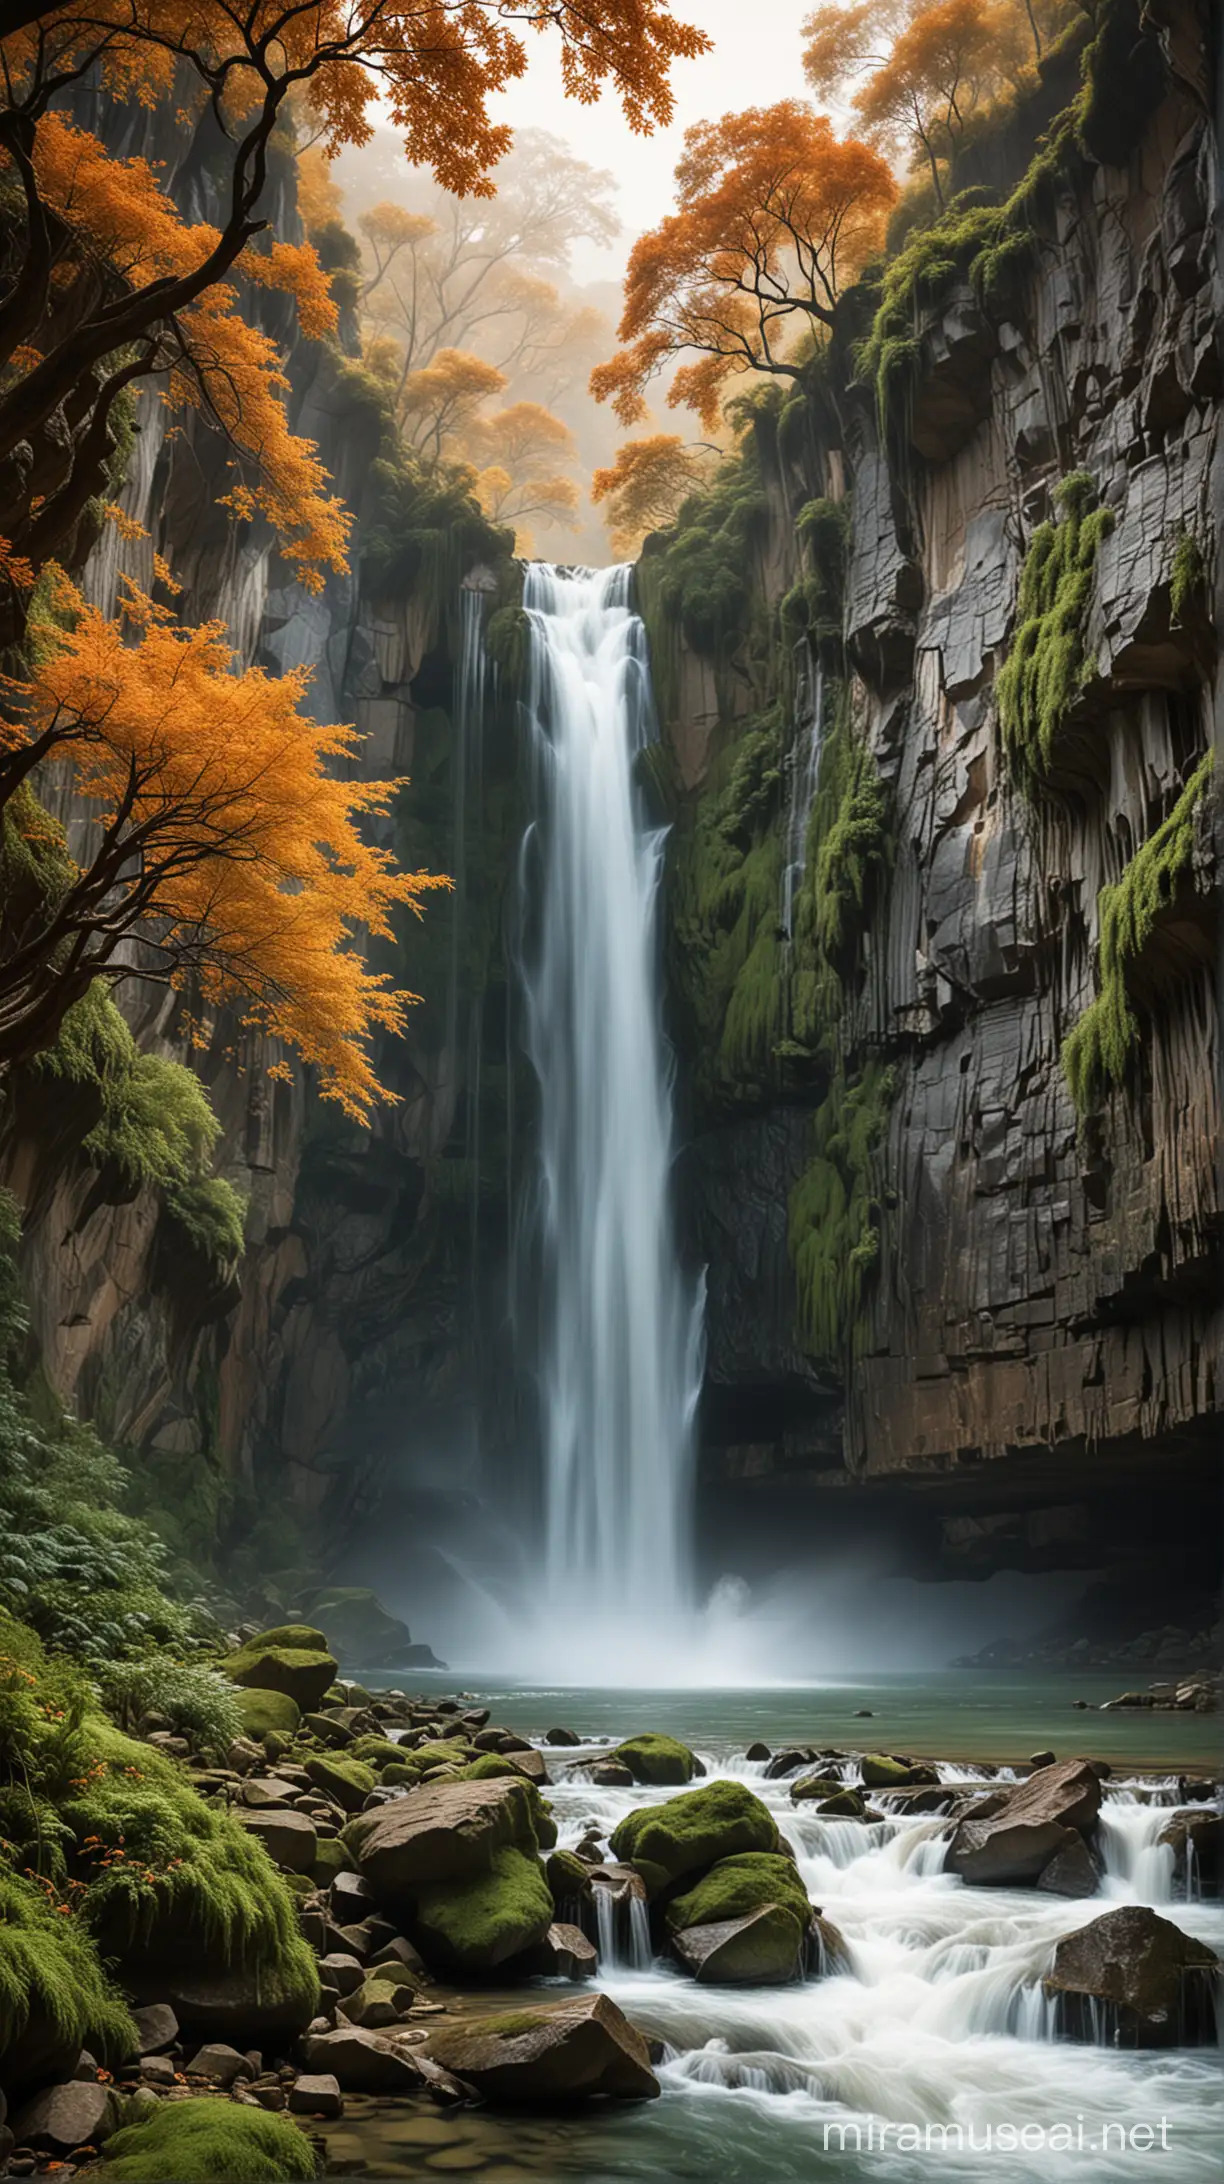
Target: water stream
x=619 y=1321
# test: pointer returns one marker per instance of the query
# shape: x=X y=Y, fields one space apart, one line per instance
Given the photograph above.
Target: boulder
x=1072 y=1871
x=289 y=1838
x=316 y=2094
x=564 y=1953
x=1197 y=1842
x=880 y=1771
x=377 y=2003
x=789 y=1762
x=562 y=1736
x=472 y=1925
x=611 y=1774
x=735 y=1888
x=656 y=1760
x=687 y=1834
x=758 y=1752
x=157 y=2028
x=292 y=1660
x=444 y=1831
x=1009 y=1838
x=265 y=1713
x=764 y=1949
x=348 y=1781
x=1151 y=1984
x=844 y=1804
x=549 y=2054
x=221 y=2063
x=350 y=1897
x=569 y=1880
x=360 y=1629
x=341 y=1971
x=362 y=2062
x=247 y=2006
x=65 y=2116
x=814 y=1786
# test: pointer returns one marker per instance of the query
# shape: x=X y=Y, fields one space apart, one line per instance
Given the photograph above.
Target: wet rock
x=569 y=1880
x=1135 y=1979
x=221 y=2063
x=737 y=1887
x=765 y=1949
x=1041 y=1759
x=316 y=2093
x=562 y=1736
x=844 y=1804
x=362 y=2062
x=1072 y=1871
x=64 y=2117
x=1197 y=1842
x=789 y=1762
x=564 y=1953
x=758 y=1752
x=609 y=1774
x=292 y=1660
x=814 y=1786
x=469 y=1926
x=1009 y=1838
x=377 y=2003
x=880 y=1771
x=659 y=1761
x=350 y=1897
x=347 y=1781
x=447 y=1830
x=550 y=2054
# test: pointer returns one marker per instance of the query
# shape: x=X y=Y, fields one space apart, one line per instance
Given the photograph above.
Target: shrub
x=199 y=1702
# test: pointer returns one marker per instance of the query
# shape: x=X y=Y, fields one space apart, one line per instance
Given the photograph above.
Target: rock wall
x=1044 y=1325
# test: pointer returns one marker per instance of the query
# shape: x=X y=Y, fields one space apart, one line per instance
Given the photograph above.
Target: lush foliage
x=774 y=216
x=699 y=580
x=222 y=818
x=835 y=1215
x=1187 y=575
x=1097 y=1052
x=1047 y=664
x=54 y=1994
x=197 y=1700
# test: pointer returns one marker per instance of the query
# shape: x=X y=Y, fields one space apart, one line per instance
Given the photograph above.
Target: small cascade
x=622 y=1930
x=1137 y=1865
x=804 y=769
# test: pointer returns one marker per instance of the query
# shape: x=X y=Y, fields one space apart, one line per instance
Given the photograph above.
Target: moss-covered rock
x=293 y=1660
x=55 y=1998
x=268 y=1713
x=765 y=1948
x=568 y=1877
x=331 y=1858
x=880 y=1771
x=735 y=1887
x=348 y=1781
x=471 y=1926
x=659 y=1761
x=376 y=1751
x=689 y=1833
x=813 y=1787
x=209 y=2141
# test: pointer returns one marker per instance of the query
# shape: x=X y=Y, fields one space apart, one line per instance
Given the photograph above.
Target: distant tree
x=774 y=214
x=646 y=487
x=517 y=453
x=444 y=398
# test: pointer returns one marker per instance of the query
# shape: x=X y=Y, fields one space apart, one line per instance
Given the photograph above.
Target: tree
x=443 y=398
x=774 y=214
x=516 y=452
x=646 y=487
x=223 y=841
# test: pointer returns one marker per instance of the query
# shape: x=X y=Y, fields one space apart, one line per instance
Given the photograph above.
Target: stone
x=224 y=2064
x=609 y=1774
x=157 y=2070
x=360 y=1629
x=292 y=1660
x=443 y=1831
x=688 y=1833
x=350 y=1896
x=549 y=2054
x=814 y=1786
x=1011 y=1837
x=399 y=1952
x=264 y=1713
x=1152 y=1983
x=1041 y=1759
x=844 y=1804
x=157 y=2028
x=657 y=1761
x=758 y=1752
x=347 y=1781
x=362 y=2062
x=562 y=1736
x=377 y=2003
x=764 y=1949
x=787 y=1763
x=63 y=2117
x=1196 y=1839
x=564 y=1953
x=289 y=1838
x=470 y=1926
x=737 y=1887
x=236 y=2004
x=343 y=1972
x=880 y=1771
x=316 y=2093
x=569 y=1880
x=1072 y=1871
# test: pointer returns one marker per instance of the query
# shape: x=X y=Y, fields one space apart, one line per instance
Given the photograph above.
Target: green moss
x=1047 y=667
x=489 y=1767
x=157 y=1126
x=377 y=1751
x=297 y=1637
x=264 y=1712
x=655 y=1759
x=348 y=1781
x=1096 y=1054
x=55 y=1998
x=1187 y=575
x=688 y=1833
x=474 y=1925
x=834 y=1217
x=300 y=1673
x=849 y=850
x=736 y=1887
x=569 y=1879
x=331 y=1858
x=508 y=645
x=697 y=583
x=425 y=532
x=209 y=2141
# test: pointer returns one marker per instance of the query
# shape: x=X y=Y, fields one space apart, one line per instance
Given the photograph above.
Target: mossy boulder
x=736 y=1887
x=331 y=1858
x=376 y=1751
x=471 y=1926
x=689 y=1833
x=360 y=1629
x=293 y=1660
x=814 y=1787
x=268 y=1713
x=55 y=1998
x=569 y=1877
x=441 y=1832
x=881 y=1772
x=348 y=1781
x=209 y=2141
x=658 y=1761
x=442 y=1752
x=764 y=1949
x=549 y=2055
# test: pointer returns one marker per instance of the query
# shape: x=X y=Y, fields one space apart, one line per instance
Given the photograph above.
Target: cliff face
x=1044 y=1312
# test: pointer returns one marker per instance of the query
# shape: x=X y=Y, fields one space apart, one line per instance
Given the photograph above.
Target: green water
x=999 y=1716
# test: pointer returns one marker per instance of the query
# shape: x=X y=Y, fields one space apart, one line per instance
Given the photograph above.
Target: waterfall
x=620 y=1324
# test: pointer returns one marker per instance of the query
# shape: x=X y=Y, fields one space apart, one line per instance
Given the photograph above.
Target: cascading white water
x=620 y=1322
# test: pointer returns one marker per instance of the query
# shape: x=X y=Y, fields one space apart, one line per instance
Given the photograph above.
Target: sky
x=755 y=61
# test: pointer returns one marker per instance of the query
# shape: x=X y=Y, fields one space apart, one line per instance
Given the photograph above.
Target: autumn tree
x=646 y=487
x=774 y=214
x=520 y=454
x=441 y=400
x=222 y=839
